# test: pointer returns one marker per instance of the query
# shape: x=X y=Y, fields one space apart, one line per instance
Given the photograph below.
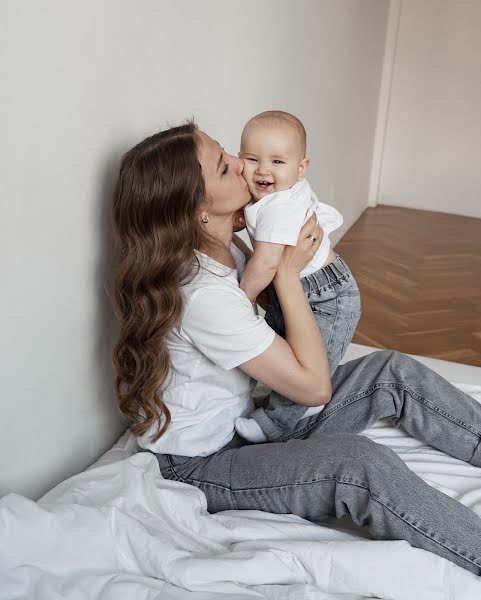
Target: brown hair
x=274 y=117
x=156 y=229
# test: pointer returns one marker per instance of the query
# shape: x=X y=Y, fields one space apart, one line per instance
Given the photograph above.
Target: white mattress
x=119 y=530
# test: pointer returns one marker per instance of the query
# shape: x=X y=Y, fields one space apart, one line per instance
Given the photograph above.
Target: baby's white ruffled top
x=278 y=218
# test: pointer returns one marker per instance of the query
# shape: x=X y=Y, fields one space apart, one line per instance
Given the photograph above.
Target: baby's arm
x=261 y=268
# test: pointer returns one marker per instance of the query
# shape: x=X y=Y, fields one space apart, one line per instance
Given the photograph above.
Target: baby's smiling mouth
x=263 y=184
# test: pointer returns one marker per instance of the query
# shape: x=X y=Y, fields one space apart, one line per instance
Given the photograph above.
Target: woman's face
x=226 y=189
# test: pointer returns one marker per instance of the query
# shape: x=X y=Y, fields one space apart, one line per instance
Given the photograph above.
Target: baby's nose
x=261 y=167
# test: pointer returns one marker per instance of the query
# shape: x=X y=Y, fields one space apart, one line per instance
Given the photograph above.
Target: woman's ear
x=203 y=213
x=305 y=162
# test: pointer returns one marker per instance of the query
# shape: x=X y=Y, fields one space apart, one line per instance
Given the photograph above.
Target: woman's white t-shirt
x=205 y=392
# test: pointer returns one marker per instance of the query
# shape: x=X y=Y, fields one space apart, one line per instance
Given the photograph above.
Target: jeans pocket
x=326 y=308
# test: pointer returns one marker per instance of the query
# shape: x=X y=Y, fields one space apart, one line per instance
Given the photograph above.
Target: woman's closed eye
x=226 y=168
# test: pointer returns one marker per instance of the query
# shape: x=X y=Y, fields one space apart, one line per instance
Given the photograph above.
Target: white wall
x=81 y=82
x=432 y=148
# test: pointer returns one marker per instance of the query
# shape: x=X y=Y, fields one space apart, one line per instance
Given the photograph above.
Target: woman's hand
x=295 y=258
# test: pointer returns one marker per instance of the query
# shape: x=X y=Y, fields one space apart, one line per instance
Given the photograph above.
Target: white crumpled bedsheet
x=118 y=530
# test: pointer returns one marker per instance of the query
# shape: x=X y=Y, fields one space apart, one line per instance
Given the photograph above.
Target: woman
x=191 y=347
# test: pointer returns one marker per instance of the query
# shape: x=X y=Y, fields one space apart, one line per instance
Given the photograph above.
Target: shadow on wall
x=106 y=323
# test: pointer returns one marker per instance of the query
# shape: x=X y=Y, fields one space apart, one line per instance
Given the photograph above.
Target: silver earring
x=205 y=219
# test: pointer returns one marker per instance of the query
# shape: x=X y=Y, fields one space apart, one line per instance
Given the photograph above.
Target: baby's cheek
x=248 y=175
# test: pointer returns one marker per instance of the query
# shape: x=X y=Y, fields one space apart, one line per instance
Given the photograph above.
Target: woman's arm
x=263 y=299
x=296 y=367
x=243 y=247
x=261 y=268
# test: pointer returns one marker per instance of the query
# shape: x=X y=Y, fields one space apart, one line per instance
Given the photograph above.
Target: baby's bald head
x=280 y=120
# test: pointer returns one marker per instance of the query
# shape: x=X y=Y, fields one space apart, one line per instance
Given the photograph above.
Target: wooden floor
x=419 y=273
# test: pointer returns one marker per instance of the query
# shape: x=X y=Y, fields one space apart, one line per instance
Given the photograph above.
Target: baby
x=273 y=147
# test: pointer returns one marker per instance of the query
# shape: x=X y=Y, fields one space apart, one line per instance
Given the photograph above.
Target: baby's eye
x=278 y=162
x=251 y=159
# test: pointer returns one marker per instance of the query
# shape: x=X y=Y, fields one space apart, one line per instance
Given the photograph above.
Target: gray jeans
x=323 y=469
x=334 y=299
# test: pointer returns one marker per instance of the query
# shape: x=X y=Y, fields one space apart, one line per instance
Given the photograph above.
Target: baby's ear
x=305 y=162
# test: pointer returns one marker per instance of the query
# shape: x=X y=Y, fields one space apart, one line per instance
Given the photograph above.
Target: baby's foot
x=250 y=430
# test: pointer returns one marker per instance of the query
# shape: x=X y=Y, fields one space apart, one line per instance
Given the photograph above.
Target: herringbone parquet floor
x=419 y=273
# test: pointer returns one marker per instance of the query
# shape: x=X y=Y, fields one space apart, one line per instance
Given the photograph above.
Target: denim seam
x=193 y=481
x=348 y=336
x=474 y=452
x=234 y=500
x=336 y=320
x=379 y=385
x=172 y=469
x=435 y=408
x=471 y=559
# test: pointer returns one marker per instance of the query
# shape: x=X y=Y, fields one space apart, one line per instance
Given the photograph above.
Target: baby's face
x=272 y=159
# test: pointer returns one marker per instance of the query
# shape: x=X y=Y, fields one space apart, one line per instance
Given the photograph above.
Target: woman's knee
x=363 y=449
x=397 y=362
x=365 y=460
x=387 y=356
x=352 y=452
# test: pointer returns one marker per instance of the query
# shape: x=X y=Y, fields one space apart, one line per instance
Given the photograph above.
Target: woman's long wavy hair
x=156 y=225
